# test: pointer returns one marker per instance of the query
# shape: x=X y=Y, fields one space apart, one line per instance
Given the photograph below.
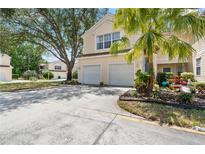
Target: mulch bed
x=198 y=103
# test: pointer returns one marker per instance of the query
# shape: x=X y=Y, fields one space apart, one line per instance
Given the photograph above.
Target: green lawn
x=8 y=87
x=165 y=114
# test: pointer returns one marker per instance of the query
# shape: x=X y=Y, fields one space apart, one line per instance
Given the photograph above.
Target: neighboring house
x=58 y=68
x=5 y=68
x=199 y=60
x=96 y=65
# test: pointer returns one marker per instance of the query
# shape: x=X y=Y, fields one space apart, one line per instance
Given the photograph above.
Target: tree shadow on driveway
x=14 y=100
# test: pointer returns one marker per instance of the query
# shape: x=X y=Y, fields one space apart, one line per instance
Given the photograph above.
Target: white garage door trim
x=95 y=76
x=129 y=81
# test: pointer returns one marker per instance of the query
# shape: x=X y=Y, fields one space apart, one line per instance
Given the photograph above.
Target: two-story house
x=58 y=68
x=5 y=68
x=96 y=65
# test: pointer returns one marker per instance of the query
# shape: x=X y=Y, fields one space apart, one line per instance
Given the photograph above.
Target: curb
x=165 y=126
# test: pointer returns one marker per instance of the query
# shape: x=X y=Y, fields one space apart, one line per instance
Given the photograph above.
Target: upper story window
x=100 y=42
x=105 y=41
x=198 y=66
x=57 y=67
x=115 y=36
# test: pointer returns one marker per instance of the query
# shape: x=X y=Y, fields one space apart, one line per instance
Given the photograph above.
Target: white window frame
x=104 y=40
x=198 y=65
x=113 y=35
x=96 y=41
x=107 y=41
x=58 y=66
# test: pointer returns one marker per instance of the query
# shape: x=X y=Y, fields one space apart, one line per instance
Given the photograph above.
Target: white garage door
x=121 y=74
x=91 y=74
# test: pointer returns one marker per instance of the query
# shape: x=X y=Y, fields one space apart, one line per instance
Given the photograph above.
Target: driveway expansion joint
x=103 y=132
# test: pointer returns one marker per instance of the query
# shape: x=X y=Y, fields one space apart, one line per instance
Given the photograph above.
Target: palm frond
x=119 y=46
x=177 y=48
x=152 y=25
x=191 y=24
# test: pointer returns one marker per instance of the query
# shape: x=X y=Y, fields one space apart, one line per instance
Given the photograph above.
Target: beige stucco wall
x=57 y=74
x=6 y=72
x=4 y=59
x=6 y=68
x=200 y=52
x=105 y=26
x=62 y=73
x=90 y=38
x=164 y=59
x=51 y=66
x=174 y=67
x=104 y=62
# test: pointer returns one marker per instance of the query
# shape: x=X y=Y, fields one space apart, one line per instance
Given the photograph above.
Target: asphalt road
x=78 y=115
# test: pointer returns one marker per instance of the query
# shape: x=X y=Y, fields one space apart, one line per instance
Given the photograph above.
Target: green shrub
x=200 y=86
x=187 y=75
x=141 y=81
x=134 y=94
x=30 y=73
x=163 y=76
x=40 y=76
x=48 y=75
x=33 y=78
x=15 y=76
x=156 y=94
x=72 y=82
x=75 y=75
x=185 y=98
x=168 y=96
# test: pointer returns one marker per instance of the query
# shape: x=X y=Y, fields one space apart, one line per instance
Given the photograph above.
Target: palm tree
x=160 y=31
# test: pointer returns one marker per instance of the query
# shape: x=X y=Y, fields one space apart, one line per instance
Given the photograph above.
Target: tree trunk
x=151 y=73
x=69 y=73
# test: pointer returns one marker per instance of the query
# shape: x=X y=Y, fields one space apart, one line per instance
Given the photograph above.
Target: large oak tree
x=58 y=31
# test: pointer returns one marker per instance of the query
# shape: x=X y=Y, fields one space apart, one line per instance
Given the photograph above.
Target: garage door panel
x=121 y=74
x=91 y=74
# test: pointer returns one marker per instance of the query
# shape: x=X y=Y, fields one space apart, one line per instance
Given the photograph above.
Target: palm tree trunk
x=151 y=73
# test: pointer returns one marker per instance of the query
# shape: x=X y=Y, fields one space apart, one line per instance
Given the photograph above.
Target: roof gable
x=106 y=18
x=4 y=55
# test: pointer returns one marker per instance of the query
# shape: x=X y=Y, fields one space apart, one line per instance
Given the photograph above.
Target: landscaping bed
x=165 y=114
x=166 y=98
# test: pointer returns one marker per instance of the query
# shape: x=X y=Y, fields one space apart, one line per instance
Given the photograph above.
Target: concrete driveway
x=78 y=115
